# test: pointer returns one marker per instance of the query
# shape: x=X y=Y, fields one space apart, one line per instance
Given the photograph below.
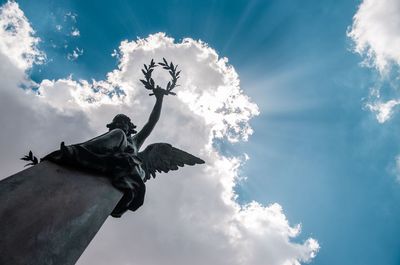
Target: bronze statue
x=116 y=153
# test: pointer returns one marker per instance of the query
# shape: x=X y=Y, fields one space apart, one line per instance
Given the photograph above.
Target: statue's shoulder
x=132 y=142
x=132 y=139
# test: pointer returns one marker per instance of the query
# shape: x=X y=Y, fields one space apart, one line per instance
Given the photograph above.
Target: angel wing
x=163 y=157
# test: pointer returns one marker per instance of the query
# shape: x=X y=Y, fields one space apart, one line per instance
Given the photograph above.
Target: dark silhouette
x=116 y=153
x=30 y=157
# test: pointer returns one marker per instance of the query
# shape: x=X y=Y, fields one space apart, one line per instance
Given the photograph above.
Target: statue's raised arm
x=141 y=136
x=159 y=93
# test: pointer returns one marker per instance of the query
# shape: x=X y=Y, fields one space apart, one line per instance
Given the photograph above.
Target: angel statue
x=117 y=154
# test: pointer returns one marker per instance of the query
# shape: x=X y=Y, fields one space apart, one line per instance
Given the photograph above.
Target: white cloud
x=75 y=32
x=376 y=36
x=17 y=37
x=376 y=32
x=74 y=55
x=189 y=217
x=383 y=110
x=24 y=115
x=211 y=85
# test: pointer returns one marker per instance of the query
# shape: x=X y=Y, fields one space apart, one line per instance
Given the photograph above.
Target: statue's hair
x=122 y=118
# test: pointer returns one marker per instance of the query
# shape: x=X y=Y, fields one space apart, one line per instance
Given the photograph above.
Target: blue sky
x=315 y=150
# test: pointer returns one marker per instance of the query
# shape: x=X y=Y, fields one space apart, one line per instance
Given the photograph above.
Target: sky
x=293 y=105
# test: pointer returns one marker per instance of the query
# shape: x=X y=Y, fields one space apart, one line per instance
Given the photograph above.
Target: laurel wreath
x=149 y=83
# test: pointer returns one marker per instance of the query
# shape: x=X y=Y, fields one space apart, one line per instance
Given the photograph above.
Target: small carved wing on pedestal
x=163 y=157
x=31 y=158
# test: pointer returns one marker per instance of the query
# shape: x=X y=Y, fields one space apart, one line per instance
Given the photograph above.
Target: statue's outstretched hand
x=159 y=92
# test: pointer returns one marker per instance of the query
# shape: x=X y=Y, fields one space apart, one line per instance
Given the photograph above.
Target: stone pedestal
x=49 y=214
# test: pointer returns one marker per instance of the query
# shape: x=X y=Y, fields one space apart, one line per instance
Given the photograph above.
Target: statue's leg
x=133 y=188
x=126 y=185
x=93 y=154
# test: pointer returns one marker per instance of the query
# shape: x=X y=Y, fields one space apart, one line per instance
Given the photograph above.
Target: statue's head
x=123 y=122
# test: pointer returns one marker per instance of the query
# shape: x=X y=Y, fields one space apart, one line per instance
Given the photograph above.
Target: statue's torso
x=132 y=147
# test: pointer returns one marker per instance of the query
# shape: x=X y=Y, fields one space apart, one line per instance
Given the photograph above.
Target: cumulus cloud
x=190 y=216
x=376 y=35
x=23 y=114
x=18 y=43
x=376 y=32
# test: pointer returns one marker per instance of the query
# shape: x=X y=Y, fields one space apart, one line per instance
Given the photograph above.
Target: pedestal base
x=49 y=214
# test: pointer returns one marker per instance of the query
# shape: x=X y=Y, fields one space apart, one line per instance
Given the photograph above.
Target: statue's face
x=122 y=122
x=124 y=126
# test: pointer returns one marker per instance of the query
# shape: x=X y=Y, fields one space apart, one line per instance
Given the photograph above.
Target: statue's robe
x=112 y=154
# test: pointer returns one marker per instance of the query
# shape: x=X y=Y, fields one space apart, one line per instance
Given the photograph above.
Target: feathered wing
x=163 y=157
